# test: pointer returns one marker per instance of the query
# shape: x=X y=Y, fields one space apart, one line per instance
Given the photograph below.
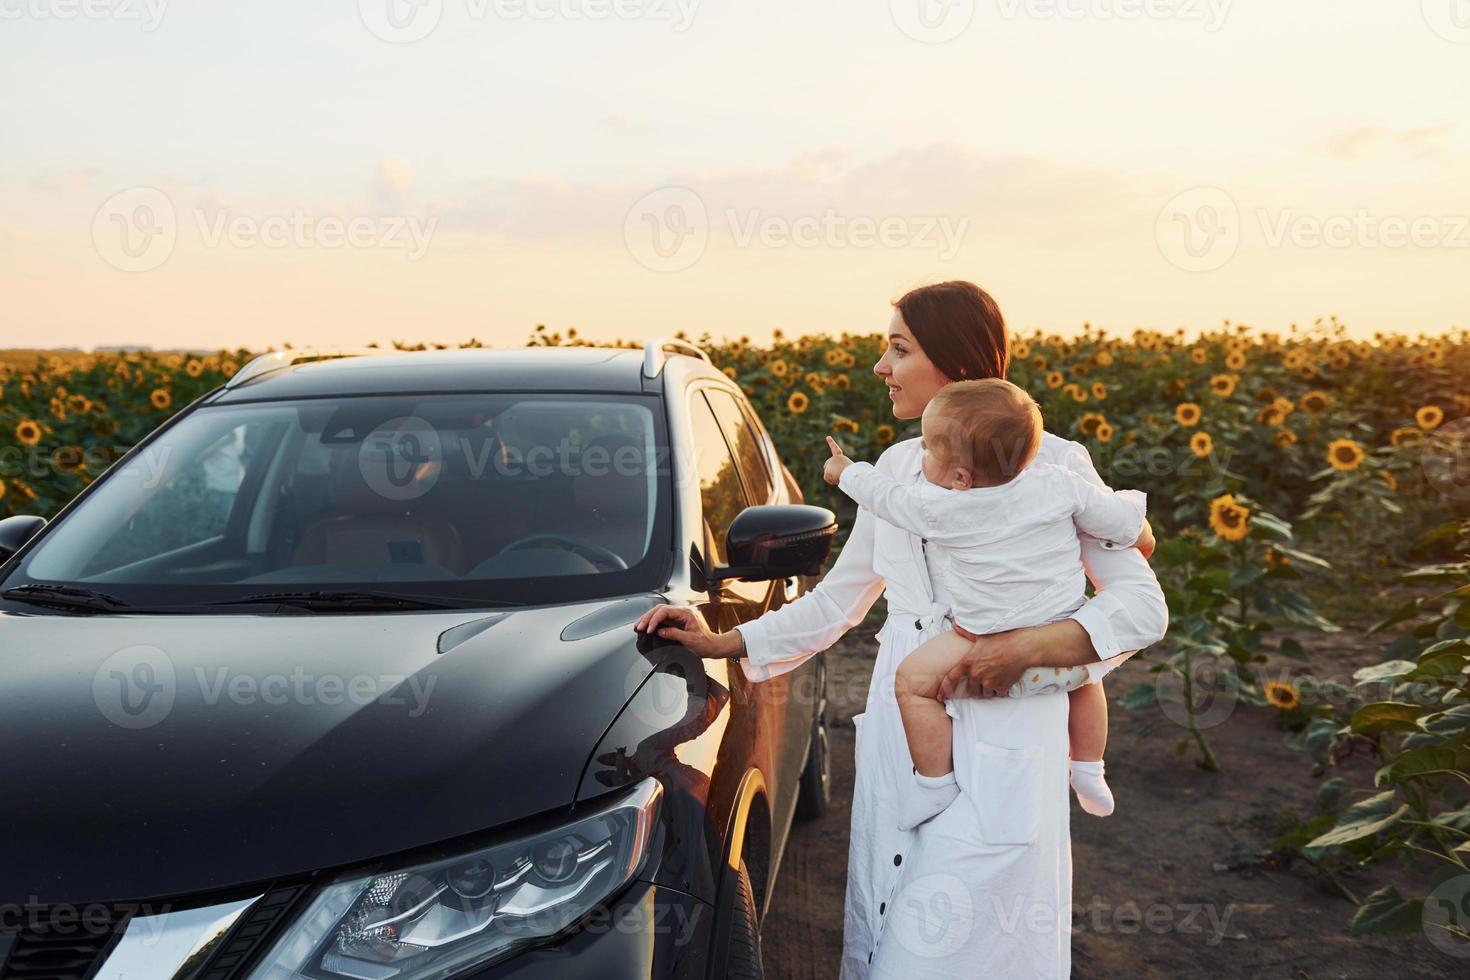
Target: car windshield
x=486 y=497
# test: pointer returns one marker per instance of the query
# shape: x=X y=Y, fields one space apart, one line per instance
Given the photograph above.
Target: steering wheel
x=596 y=554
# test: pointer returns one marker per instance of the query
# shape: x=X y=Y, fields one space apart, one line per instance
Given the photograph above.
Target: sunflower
x=1429 y=417
x=1223 y=385
x=194 y=368
x=2 y=489
x=1389 y=480
x=1054 y=379
x=728 y=372
x=1104 y=359
x=1235 y=360
x=1201 y=444
x=160 y=399
x=1199 y=355
x=1187 y=414
x=1294 y=359
x=1039 y=362
x=78 y=404
x=1089 y=422
x=1104 y=432
x=883 y=434
x=779 y=367
x=797 y=403
x=1284 y=405
x=1270 y=415
x=1021 y=350
x=1405 y=436
x=1281 y=695
x=1307 y=372
x=1315 y=401
x=28 y=433
x=1285 y=437
x=1099 y=390
x=1228 y=519
x=1345 y=455
x=1075 y=390
x=845 y=425
x=841 y=382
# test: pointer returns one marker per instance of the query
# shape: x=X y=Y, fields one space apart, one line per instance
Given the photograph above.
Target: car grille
x=251 y=935
x=46 y=950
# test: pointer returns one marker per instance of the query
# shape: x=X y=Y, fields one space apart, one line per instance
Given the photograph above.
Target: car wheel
x=816 y=779
x=743 y=961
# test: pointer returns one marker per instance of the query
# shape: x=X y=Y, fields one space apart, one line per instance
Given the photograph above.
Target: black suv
x=333 y=676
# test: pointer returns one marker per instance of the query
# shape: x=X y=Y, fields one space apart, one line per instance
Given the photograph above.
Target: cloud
x=1004 y=194
x=1376 y=141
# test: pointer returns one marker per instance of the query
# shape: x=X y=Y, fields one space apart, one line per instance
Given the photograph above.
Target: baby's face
x=935 y=436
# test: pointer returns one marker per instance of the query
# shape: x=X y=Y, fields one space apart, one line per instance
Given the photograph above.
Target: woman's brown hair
x=960 y=328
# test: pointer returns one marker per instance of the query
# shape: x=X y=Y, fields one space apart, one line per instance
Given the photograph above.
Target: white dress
x=964 y=895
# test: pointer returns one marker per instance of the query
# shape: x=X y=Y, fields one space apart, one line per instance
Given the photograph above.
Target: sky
x=201 y=173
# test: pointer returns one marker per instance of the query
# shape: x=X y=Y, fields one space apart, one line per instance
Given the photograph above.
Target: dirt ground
x=1156 y=891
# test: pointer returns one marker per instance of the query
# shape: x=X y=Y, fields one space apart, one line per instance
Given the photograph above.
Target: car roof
x=579 y=369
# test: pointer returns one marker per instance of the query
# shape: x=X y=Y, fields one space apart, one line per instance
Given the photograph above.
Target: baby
x=1006 y=528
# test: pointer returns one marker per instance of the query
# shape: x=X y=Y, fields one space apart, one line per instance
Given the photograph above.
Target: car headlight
x=431 y=920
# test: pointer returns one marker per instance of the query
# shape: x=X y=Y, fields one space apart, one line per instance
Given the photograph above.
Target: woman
x=983 y=889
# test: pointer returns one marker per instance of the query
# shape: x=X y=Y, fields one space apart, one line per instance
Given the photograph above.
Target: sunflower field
x=1294 y=480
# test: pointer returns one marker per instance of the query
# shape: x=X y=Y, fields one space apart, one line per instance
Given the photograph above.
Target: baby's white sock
x=1092 y=789
x=927 y=798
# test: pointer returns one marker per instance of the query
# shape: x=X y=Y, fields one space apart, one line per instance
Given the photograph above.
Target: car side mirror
x=15 y=532
x=776 y=541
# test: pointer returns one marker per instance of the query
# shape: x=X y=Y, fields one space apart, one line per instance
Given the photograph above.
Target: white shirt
x=1127 y=614
x=1010 y=554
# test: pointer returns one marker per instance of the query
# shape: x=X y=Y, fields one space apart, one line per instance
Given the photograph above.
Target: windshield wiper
x=361 y=601
x=66 y=597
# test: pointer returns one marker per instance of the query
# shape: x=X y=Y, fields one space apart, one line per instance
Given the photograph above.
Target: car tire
x=815 y=785
x=743 y=958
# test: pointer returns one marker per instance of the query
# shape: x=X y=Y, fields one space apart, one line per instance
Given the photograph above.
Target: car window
x=742 y=439
x=720 y=491
x=509 y=496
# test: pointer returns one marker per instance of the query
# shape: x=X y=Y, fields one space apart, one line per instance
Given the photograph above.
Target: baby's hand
x=1146 y=542
x=832 y=472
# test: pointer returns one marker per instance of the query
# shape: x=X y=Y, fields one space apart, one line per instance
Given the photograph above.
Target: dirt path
x=1156 y=890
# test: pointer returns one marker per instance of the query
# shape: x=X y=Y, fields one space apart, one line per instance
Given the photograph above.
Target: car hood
x=155 y=756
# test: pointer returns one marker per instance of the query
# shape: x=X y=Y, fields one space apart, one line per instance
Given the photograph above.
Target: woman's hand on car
x=685 y=626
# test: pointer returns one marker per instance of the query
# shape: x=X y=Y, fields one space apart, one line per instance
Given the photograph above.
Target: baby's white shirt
x=1011 y=552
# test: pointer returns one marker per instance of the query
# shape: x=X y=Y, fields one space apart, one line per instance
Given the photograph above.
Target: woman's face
x=912 y=378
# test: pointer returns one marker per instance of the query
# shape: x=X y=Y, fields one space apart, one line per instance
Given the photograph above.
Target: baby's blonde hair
x=989 y=426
